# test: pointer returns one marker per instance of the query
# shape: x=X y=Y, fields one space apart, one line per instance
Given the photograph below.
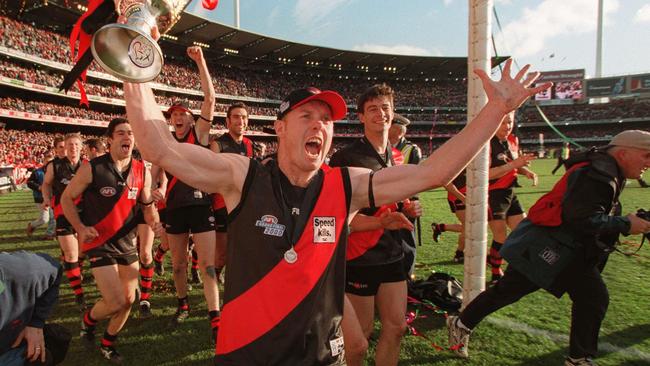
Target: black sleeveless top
x=111 y=201
x=387 y=247
x=278 y=312
x=180 y=194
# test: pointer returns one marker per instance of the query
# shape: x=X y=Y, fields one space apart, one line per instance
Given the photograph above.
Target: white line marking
x=630 y=352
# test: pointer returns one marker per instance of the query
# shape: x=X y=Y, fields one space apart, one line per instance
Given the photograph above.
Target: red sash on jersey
x=398 y=158
x=507 y=180
x=359 y=242
x=246 y=318
x=452 y=197
x=116 y=219
x=249 y=146
x=58 y=209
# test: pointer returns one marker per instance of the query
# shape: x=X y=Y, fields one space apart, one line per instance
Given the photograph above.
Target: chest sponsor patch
x=107 y=191
x=324 y=229
x=270 y=225
x=337 y=345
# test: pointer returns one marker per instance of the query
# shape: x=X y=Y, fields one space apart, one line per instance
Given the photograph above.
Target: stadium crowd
x=260 y=84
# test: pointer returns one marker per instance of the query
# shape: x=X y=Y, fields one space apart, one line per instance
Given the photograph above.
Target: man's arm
x=399 y=182
x=46 y=187
x=146 y=199
x=387 y=220
x=75 y=188
x=204 y=122
x=451 y=188
x=194 y=165
x=521 y=162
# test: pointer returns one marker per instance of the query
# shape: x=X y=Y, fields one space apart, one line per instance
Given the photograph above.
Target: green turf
x=152 y=342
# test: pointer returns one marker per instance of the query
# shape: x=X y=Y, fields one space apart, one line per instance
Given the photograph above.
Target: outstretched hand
x=510 y=92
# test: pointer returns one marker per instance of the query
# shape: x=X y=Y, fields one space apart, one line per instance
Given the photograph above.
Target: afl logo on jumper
x=324 y=229
x=107 y=191
x=270 y=225
x=502 y=157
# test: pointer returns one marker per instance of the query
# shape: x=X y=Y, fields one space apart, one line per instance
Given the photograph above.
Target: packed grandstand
x=34 y=58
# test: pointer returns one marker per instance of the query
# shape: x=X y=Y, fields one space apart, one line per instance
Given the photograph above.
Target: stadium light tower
x=599 y=41
x=478 y=57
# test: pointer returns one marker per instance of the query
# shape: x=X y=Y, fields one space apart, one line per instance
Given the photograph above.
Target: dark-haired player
x=114 y=188
x=232 y=142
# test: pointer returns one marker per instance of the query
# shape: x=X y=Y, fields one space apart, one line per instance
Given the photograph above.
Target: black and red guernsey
x=278 y=312
x=180 y=194
x=228 y=145
x=64 y=171
x=378 y=246
x=501 y=153
x=110 y=202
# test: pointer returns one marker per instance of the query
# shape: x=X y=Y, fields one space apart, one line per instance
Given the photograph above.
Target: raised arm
x=204 y=122
x=192 y=164
x=399 y=182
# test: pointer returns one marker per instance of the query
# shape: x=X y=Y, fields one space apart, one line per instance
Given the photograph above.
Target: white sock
x=460 y=324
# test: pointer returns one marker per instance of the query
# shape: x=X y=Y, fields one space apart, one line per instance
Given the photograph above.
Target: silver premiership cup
x=127 y=51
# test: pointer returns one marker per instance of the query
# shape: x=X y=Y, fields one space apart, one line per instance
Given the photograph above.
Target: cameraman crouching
x=564 y=244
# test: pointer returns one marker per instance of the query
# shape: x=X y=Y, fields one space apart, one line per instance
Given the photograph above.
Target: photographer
x=564 y=244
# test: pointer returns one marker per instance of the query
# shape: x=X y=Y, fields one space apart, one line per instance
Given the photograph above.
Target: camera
x=641 y=213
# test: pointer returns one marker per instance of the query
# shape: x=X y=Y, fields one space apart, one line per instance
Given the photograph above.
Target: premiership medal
x=291 y=256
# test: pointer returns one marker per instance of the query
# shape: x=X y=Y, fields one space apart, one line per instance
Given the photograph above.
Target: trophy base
x=127 y=53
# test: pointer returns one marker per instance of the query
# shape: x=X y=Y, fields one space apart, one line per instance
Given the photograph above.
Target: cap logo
x=284 y=106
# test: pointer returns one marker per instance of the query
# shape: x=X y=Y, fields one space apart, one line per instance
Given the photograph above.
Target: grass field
x=531 y=332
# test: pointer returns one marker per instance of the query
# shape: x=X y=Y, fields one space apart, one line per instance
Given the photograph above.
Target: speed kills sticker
x=324 y=229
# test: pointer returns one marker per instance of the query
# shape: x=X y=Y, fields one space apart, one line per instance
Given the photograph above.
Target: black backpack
x=440 y=289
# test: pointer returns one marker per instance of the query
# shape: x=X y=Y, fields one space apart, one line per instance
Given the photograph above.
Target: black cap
x=299 y=97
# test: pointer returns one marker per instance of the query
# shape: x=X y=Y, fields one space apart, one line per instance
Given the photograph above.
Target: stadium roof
x=236 y=47
x=243 y=47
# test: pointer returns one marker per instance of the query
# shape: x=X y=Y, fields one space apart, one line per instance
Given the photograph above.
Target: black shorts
x=456 y=205
x=63 y=227
x=365 y=280
x=162 y=215
x=109 y=260
x=139 y=218
x=503 y=204
x=221 y=220
x=194 y=219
